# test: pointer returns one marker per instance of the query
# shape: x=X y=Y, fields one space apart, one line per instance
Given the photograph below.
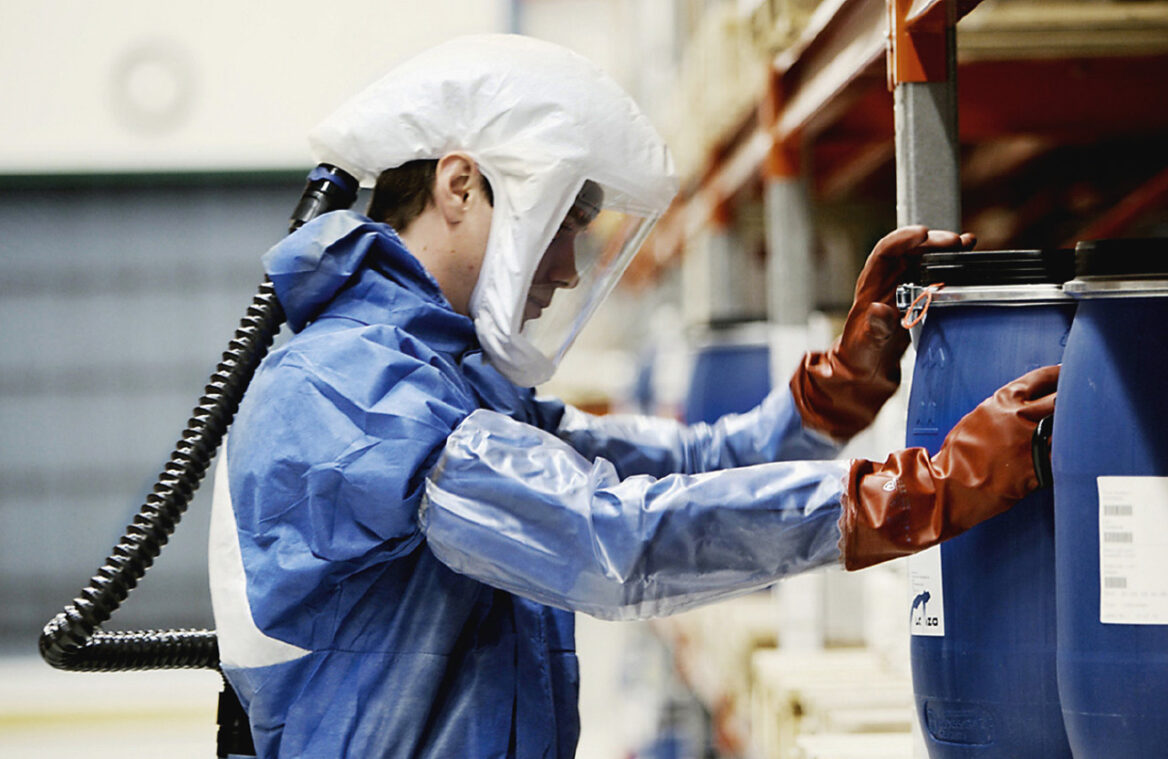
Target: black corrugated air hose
x=73 y=640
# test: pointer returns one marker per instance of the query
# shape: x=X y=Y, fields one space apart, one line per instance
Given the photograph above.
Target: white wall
x=139 y=85
x=146 y=85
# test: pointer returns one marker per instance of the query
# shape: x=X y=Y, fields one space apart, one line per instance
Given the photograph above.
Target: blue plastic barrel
x=987 y=687
x=1110 y=461
x=731 y=374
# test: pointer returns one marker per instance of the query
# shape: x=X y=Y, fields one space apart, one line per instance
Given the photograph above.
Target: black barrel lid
x=1137 y=258
x=990 y=268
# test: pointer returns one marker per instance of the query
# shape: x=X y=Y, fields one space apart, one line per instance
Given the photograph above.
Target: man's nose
x=570 y=277
x=562 y=271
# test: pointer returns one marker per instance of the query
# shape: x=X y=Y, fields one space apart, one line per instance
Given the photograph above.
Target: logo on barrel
x=919 y=614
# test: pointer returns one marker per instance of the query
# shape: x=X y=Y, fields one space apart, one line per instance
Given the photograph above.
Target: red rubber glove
x=841 y=391
x=985 y=465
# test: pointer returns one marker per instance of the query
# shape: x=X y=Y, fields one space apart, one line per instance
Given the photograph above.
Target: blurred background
x=151 y=152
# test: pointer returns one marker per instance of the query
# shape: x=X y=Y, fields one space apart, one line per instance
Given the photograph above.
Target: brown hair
x=403 y=192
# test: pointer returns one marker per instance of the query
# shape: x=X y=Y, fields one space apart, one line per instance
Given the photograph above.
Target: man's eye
x=576 y=221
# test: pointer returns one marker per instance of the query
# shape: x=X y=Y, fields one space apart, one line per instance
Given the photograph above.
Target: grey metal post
x=790 y=272
x=790 y=246
x=928 y=181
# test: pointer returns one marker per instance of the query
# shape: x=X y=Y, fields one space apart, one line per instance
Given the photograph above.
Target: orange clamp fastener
x=909 y=321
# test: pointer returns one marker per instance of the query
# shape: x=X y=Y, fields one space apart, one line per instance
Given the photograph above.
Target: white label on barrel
x=926 y=614
x=1133 y=550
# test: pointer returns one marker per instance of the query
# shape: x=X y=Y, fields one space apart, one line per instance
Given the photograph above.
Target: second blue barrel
x=983 y=613
x=1110 y=459
x=731 y=373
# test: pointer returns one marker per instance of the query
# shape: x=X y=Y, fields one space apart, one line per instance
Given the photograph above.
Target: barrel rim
x=1116 y=287
x=1000 y=295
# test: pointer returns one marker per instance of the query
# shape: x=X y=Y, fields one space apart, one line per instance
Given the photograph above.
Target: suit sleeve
x=772 y=431
x=519 y=509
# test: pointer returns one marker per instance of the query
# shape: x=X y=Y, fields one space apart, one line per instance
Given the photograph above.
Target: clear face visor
x=582 y=264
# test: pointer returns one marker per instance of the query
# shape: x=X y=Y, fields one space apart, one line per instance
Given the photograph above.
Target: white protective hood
x=539 y=120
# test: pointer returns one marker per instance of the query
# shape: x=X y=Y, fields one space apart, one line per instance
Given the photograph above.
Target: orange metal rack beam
x=827 y=87
x=812 y=84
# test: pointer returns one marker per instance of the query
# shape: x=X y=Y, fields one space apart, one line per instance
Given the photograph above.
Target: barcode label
x=1133 y=550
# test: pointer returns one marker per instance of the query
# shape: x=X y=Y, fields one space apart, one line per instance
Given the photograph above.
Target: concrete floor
x=131 y=715
x=44 y=712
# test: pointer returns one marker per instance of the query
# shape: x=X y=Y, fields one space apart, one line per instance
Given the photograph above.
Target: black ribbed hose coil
x=73 y=640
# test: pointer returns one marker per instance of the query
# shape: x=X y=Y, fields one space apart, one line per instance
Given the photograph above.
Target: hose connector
x=328 y=189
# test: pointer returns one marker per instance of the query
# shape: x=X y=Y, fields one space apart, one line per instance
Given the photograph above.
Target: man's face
x=557 y=268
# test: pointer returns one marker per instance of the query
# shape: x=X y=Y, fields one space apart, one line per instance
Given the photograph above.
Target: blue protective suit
x=401 y=533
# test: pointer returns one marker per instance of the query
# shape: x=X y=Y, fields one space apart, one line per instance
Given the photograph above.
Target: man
x=403 y=529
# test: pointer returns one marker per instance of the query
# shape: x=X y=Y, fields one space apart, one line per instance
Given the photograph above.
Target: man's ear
x=455 y=181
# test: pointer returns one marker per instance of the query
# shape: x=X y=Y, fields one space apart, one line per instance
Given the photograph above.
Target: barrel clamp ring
x=914 y=302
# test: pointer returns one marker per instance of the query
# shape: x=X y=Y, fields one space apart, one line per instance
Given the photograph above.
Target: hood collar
x=311 y=266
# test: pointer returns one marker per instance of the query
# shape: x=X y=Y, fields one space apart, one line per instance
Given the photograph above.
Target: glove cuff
x=881 y=510
x=835 y=400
